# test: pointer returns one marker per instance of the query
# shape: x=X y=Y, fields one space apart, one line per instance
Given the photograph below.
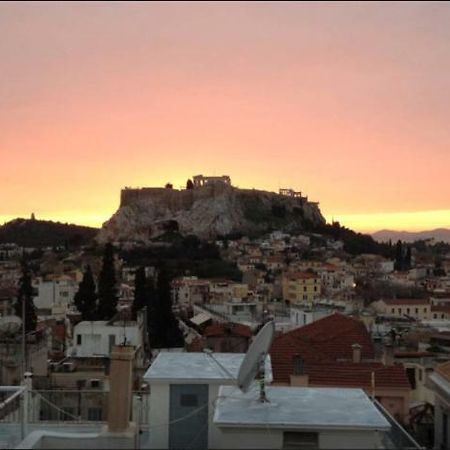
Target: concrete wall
x=270 y=438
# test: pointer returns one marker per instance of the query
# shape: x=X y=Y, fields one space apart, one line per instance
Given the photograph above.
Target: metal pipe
x=19 y=392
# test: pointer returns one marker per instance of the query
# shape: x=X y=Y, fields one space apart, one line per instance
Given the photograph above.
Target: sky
x=347 y=102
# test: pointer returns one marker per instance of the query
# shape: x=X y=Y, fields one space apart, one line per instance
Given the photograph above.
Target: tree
x=399 y=261
x=163 y=328
x=107 y=290
x=25 y=297
x=140 y=291
x=189 y=184
x=85 y=299
x=169 y=186
x=407 y=261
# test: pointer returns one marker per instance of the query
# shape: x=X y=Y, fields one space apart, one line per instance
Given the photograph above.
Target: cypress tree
x=86 y=298
x=163 y=328
x=25 y=296
x=140 y=291
x=408 y=258
x=189 y=184
x=399 y=262
x=107 y=290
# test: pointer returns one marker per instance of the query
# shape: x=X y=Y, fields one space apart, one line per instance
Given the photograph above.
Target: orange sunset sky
x=347 y=102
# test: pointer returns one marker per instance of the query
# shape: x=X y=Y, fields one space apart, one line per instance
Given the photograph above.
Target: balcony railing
x=397 y=437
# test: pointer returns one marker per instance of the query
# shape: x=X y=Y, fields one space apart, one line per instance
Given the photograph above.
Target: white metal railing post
x=28 y=385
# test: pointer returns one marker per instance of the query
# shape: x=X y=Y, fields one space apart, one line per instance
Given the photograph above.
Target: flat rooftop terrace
x=299 y=407
x=198 y=367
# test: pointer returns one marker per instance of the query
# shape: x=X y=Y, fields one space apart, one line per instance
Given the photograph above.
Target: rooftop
x=406 y=301
x=326 y=340
x=298 y=407
x=198 y=367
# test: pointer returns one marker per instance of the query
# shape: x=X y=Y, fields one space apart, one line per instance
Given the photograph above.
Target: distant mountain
x=439 y=234
x=45 y=233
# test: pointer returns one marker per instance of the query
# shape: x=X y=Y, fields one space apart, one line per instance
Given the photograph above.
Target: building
x=95 y=339
x=187 y=291
x=296 y=417
x=200 y=180
x=195 y=404
x=183 y=384
x=54 y=295
x=414 y=308
x=223 y=338
x=300 y=287
x=439 y=382
x=337 y=351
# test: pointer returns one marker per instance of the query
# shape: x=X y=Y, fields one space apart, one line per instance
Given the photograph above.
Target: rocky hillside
x=45 y=233
x=207 y=212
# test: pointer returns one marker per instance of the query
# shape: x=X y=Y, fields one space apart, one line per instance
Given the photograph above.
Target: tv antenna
x=253 y=365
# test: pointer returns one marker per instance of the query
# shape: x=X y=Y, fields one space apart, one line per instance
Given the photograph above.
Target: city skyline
x=310 y=96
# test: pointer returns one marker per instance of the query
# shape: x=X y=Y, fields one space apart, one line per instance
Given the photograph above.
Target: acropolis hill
x=212 y=208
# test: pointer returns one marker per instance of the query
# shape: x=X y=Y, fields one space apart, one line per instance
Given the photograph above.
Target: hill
x=44 y=233
x=207 y=212
x=438 y=235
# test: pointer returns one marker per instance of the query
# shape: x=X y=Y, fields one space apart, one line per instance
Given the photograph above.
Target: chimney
x=298 y=378
x=120 y=385
x=388 y=355
x=356 y=356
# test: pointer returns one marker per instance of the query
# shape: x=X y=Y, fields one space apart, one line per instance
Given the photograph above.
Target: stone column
x=120 y=388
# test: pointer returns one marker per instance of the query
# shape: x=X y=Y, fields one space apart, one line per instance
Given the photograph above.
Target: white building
x=298 y=417
x=195 y=403
x=53 y=296
x=304 y=316
x=96 y=338
x=183 y=384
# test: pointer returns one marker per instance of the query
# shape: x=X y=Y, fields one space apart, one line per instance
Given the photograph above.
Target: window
x=95 y=414
x=399 y=310
x=305 y=297
x=78 y=339
x=188 y=400
x=304 y=288
x=300 y=440
x=417 y=310
x=315 y=288
x=393 y=311
x=407 y=310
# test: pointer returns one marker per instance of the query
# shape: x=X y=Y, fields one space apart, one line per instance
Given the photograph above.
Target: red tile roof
x=326 y=340
x=348 y=374
x=232 y=329
x=326 y=349
x=406 y=301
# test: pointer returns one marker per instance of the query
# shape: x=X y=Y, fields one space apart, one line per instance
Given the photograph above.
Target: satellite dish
x=10 y=325
x=255 y=356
